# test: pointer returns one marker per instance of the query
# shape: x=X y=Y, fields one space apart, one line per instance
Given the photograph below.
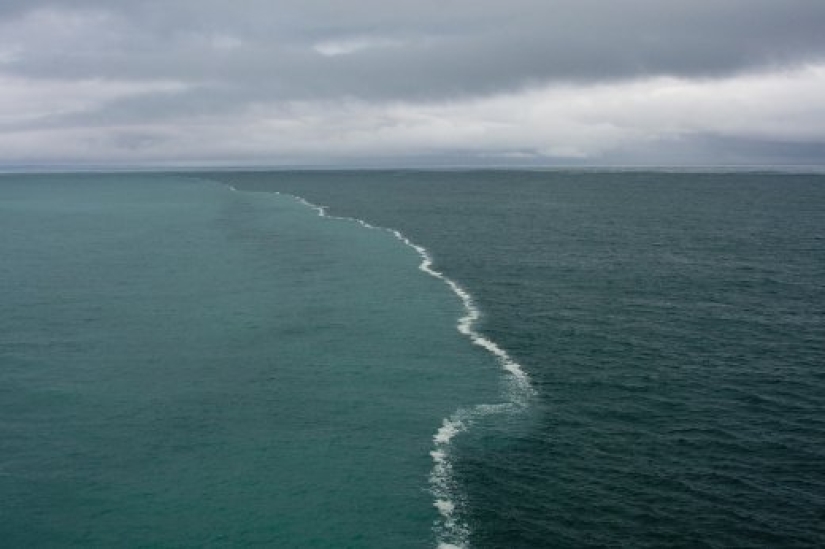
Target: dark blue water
x=673 y=327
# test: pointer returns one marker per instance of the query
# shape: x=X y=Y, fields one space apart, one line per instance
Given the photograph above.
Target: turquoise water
x=184 y=365
x=673 y=327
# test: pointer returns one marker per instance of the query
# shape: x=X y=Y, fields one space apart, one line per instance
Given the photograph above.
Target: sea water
x=186 y=365
x=673 y=329
x=523 y=359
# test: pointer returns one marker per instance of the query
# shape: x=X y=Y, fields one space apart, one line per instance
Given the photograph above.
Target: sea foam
x=451 y=531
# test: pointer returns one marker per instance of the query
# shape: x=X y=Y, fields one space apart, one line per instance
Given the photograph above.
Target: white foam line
x=451 y=532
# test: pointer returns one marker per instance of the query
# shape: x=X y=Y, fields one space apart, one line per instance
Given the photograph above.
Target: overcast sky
x=382 y=82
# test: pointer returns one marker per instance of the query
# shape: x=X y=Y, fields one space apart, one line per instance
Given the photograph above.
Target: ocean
x=413 y=359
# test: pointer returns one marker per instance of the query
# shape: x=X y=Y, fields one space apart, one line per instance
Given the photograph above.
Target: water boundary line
x=451 y=532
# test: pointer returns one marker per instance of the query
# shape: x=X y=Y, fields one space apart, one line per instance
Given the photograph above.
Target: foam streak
x=450 y=530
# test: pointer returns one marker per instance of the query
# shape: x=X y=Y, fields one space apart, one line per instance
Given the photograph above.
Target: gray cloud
x=441 y=48
x=190 y=63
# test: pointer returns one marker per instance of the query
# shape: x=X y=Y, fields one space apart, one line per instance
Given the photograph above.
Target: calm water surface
x=186 y=365
x=673 y=325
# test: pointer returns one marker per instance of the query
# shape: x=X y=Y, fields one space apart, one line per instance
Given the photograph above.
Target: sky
x=412 y=83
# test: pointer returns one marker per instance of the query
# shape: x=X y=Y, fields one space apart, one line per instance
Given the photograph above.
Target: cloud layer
x=311 y=82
